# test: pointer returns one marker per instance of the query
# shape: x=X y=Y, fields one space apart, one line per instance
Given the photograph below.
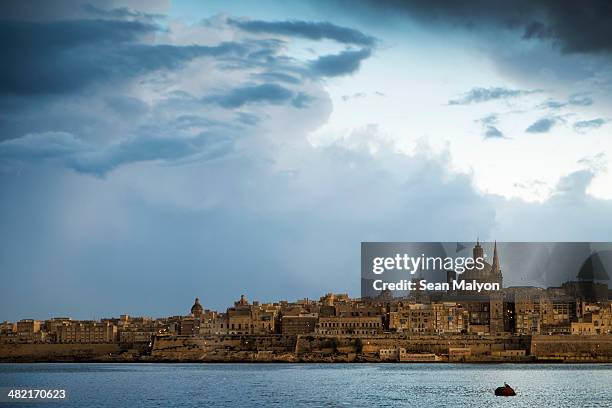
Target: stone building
x=189 y=326
x=497 y=313
x=602 y=319
x=412 y=318
x=542 y=311
x=29 y=331
x=556 y=314
x=239 y=317
x=217 y=324
x=479 y=316
x=408 y=357
x=526 y=315
x=358 y=309
x=430 y=318
x=264 y=319
x=301 y=324
x=133 y=336
x=595 y=319
x=330 y=299
x=350 y=325
x=87 y=332
x=8 y=332
x=391 y=354
x=208 y=322
x=450 y=317
x=197 y=309
x=245 y=318
x=53 y=325
x=583 y=328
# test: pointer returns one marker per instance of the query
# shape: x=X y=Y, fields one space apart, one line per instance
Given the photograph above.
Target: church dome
x=594 y=267
x=197 y=308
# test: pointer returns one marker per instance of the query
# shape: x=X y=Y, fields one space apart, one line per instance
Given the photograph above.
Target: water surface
x=314 y=385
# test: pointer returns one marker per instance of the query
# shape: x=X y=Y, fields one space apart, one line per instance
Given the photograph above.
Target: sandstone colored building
x=29 y=331
x=350 y=325
x=301 y=324
x=87 y=332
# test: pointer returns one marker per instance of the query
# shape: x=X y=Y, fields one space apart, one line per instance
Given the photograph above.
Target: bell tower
x=478 y=251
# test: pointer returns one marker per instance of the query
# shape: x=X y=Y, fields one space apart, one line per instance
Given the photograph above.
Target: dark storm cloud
x=119 y=13
x=191 y=121
x=541 y=126
x=584 y=26
x=126 y=105
x=34 y=37
x=72 y=152
x=344 y=63
x=84 y=52
x=306 y=29
x=301 y=100
x=478 y=95
x=42 y=10
x=71 y=92
x=247 y=118
x=573 y=26
x=278 y=76
x=144 y=148
x=584 y=125
x=268 y=93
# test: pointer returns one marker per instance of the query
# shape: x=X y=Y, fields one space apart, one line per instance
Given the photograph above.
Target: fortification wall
x=235 y=348
x=413 y=344
x=222 y=348
x=319 y=348
x=572 y=348
x=57 y=352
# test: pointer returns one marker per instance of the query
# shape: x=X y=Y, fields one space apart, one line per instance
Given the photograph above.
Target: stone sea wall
x=224 y=348
x=325 y=348
x=281 y=348
x=572 y=348
x=58 y=352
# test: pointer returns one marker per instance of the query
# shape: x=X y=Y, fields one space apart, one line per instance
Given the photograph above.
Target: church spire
x=495 y=265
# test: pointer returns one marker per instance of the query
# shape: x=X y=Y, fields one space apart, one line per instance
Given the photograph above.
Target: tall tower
x=495 y=267
x=478 y=251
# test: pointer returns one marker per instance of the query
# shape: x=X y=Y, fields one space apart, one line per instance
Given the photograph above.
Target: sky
x=155 y=151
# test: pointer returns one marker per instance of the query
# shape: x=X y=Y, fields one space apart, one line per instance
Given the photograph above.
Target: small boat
x=505 y=391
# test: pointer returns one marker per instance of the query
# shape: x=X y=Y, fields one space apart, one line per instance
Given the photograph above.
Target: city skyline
x=555 y=262
x=576 y=308
x=469 y=318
